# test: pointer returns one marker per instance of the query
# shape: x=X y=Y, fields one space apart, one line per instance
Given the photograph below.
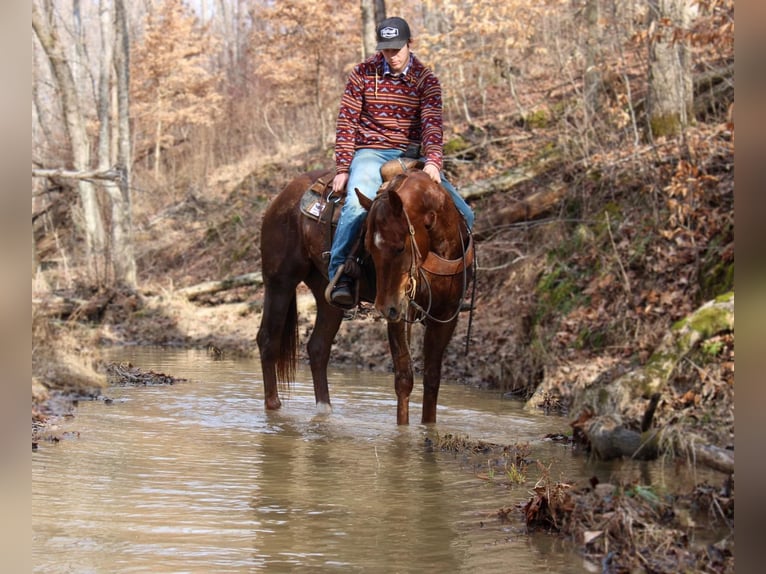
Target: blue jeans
x=364 y=174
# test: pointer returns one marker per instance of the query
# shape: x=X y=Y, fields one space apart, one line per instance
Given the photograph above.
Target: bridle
x=416 y=271
x=418 y=279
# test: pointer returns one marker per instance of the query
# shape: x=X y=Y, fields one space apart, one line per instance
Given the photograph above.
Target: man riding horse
x=391 y=108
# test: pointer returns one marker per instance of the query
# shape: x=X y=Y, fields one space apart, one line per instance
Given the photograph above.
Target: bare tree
x=45 y=29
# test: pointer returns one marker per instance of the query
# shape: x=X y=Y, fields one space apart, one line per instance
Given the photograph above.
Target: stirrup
x=331 y=286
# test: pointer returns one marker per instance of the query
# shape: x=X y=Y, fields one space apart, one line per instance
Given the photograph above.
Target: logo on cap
x=389 y=32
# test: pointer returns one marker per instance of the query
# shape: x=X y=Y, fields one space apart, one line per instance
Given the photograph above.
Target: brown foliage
x=173 y=83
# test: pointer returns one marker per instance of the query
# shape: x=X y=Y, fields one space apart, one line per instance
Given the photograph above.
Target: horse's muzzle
x=392 y=314
x=393 y=310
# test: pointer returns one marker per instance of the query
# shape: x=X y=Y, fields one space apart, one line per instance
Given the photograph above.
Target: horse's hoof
x=324 y=409
x=273 y=404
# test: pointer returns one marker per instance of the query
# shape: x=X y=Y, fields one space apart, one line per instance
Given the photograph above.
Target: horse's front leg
x=435 y=341
x=403 y=382
x=328 y=320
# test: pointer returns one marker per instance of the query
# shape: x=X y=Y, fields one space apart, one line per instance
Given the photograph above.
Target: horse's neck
x=445 y=237
x=446 y=234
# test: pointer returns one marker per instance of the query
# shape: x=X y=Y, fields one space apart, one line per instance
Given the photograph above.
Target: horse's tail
x=288 y=345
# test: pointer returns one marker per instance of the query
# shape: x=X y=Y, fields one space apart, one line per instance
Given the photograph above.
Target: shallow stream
x=197 y=477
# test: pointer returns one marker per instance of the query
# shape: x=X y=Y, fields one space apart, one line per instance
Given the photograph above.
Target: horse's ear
x=396 y=202
x=364 y=201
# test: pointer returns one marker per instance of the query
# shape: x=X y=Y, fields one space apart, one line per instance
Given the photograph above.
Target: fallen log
x=527 y=209
x=609 y=439
x=505 y=181
x=714 y=457
x=72 y=307
x=209 y=287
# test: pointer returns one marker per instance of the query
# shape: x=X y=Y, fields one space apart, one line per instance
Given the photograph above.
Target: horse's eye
x=400 y=250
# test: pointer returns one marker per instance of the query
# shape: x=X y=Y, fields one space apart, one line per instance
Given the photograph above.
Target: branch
x=115 y=173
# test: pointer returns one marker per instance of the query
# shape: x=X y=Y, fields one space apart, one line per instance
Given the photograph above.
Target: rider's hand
x=433 y=172
x=339 y=182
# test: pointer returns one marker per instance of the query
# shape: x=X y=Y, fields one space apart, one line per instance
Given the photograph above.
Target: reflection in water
x=197 y=477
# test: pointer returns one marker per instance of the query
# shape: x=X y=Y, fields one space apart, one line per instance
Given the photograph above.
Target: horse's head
x=397 y=238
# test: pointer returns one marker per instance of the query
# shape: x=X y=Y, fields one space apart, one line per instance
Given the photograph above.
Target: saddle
x=317 y=204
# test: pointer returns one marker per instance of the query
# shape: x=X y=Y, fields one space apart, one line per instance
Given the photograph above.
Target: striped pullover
x=386 y=112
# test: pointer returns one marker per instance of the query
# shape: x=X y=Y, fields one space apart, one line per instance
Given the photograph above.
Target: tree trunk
x=122 y=214
x=592 y=75
x=380 y=10
x=610 y=439
x=74 y=120
x=37 y=106
x=157 y=137
x=369 y=40
x=670 y=98
x=319 y=103
x=104 y=99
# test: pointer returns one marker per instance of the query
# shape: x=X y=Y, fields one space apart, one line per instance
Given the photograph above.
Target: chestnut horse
x=423 y=264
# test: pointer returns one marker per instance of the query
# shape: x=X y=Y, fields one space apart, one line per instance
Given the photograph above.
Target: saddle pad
x=315 y=205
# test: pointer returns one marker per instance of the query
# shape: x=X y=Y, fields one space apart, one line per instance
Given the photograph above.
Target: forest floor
x=582 y=293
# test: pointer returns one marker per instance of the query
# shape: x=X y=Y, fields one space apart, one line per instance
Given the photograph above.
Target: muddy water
x=197 y=477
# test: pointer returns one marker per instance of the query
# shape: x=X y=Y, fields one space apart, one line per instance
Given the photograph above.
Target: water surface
x=198 y=477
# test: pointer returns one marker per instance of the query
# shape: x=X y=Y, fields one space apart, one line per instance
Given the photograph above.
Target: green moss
x=538 y=119
x=591 y=339
x=658 y=368
x=560 y=109
x=455 y=145
x=609 y=215
x=712 y=348
x=725 y=298
x=710 y=321
x=716 y=278
x=558 y=292
x=665 y=125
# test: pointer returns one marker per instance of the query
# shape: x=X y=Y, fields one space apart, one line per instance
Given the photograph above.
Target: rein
x=419 y=268
x=423 y=272
x=412 y=287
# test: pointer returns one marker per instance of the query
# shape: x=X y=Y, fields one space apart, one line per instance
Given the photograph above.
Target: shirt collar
x=387 y=68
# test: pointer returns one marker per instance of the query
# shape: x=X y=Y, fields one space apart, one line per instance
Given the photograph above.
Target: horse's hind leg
x=276 y=340
x=435 y=341
x=328 y=319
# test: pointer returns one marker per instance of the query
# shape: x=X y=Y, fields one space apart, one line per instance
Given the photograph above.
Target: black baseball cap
x=393 y=33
